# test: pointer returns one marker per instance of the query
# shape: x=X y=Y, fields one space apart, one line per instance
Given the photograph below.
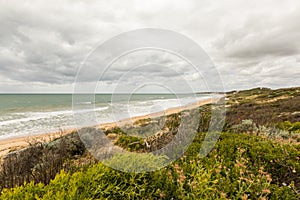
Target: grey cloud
x=253 y=43
x=262 y=36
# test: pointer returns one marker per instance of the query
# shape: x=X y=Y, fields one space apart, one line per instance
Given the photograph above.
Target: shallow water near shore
x=29 y=114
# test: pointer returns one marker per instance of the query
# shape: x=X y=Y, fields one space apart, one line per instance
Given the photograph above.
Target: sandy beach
x=15 y=143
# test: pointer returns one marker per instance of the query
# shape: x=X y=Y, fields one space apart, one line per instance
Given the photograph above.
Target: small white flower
x=284 y=184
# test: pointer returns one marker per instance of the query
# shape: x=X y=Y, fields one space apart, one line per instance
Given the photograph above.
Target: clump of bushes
x=204 y=118
x=130 y=143
x=241 y=166
x=274 y=133
x=244 y=164
x=290 y=127
x=283 y=130
x=173 y=121
x=40 y=162
x=136 y=162
x=246 y=126
x=115 y=130
x=262 y=107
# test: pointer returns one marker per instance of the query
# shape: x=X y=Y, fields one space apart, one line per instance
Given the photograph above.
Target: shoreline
x=20 y=142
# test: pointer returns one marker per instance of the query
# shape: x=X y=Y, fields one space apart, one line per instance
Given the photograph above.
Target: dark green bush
x=130 y=143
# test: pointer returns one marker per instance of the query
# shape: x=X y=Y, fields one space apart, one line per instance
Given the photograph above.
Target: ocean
x=29 y=114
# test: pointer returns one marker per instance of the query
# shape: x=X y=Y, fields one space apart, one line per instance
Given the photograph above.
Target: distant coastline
x=19 y=142
x=28 y=114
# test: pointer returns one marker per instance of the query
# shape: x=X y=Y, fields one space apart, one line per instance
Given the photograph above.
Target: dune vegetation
x=256 y=157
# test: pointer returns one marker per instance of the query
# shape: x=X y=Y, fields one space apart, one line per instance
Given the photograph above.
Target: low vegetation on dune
x=256 y=157
x=241 y=166
x=264 y=106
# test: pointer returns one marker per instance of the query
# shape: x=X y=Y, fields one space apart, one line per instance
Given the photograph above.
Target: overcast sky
x=252 y=43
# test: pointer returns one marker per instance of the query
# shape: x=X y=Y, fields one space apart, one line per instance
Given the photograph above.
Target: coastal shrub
x=280 y=161
x=262 y=109
x=274 y=133
x=130 y=143
x=241 y=166
x=115 y=130
x=39 y=162
x=288 y=126
x=136 y=162
x=284 y=130
x=253 y=166
x=173 y=121
x=246 y=126
x=204 y=118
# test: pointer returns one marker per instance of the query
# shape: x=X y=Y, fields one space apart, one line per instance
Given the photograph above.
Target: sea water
x=29 y=114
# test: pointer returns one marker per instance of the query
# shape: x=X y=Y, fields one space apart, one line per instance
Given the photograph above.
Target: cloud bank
x=252 y=43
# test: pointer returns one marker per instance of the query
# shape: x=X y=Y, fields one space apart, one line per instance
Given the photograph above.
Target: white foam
x=28 y=123
x=31 y=116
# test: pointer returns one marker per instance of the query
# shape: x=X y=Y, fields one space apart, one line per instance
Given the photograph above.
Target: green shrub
x=116 y=130
x=130 y=143
x=239 y=166
x=136 y=162
x=288 y=126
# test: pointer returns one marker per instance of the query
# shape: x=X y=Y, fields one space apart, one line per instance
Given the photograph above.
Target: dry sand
x=8 y=145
